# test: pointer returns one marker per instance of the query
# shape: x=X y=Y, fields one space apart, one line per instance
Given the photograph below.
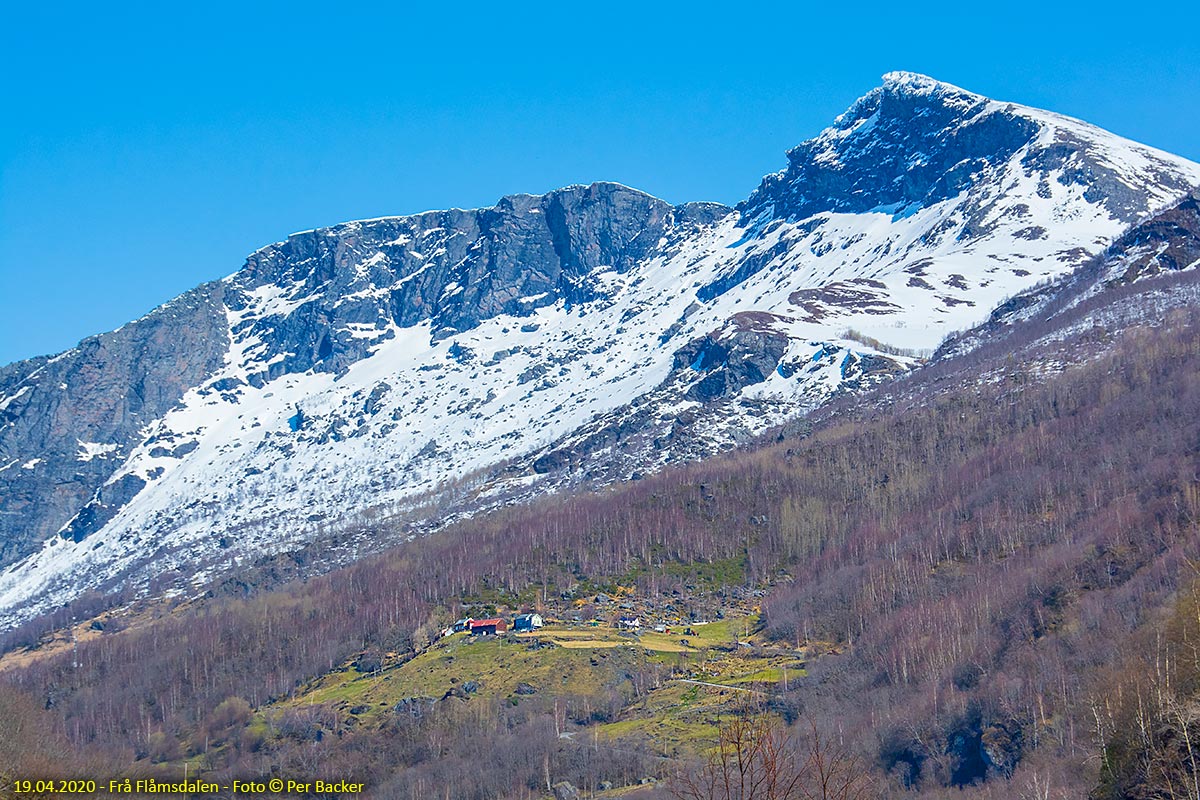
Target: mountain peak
x=914 y=83
x=911 y=95
x=914 y=142
x=906 y=144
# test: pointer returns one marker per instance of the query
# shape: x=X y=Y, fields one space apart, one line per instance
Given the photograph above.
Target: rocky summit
x=431 y=365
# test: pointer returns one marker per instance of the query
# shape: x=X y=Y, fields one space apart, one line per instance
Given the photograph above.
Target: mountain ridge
x=382 y=358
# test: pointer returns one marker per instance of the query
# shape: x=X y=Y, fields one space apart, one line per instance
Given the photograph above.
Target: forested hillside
x=994 y=591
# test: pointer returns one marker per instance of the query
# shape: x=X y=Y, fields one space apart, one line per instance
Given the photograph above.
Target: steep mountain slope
x=1139 y=280
x=973 y=604
x=591 y=333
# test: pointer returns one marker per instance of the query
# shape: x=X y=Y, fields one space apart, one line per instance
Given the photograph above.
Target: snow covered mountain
x=362 y=372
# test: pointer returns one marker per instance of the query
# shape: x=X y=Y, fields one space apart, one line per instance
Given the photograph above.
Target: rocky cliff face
x=1166 y=242
x=449 y=269
x=590 y=334
x=68 y=422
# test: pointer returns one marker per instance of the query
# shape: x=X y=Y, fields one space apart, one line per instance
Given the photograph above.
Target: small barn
x=528 y=622
x=483 y=627
x=461 y=625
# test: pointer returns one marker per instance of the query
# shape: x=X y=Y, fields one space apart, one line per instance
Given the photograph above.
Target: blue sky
x=148 y=148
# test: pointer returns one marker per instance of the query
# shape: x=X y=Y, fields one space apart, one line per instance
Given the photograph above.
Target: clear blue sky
x=147 y=148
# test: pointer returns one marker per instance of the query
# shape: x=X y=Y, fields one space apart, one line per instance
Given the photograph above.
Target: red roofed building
x=486 y=626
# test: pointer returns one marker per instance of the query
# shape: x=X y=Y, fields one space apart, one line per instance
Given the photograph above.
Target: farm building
x=488 y=626
x=528 y=622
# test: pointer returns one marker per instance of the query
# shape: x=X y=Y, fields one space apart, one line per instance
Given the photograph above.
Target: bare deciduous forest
x=1006 y=578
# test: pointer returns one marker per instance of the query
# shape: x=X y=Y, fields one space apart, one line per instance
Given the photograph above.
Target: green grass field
x=672 y=715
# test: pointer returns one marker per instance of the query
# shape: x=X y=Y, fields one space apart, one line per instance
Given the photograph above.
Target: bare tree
x=757 y=759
